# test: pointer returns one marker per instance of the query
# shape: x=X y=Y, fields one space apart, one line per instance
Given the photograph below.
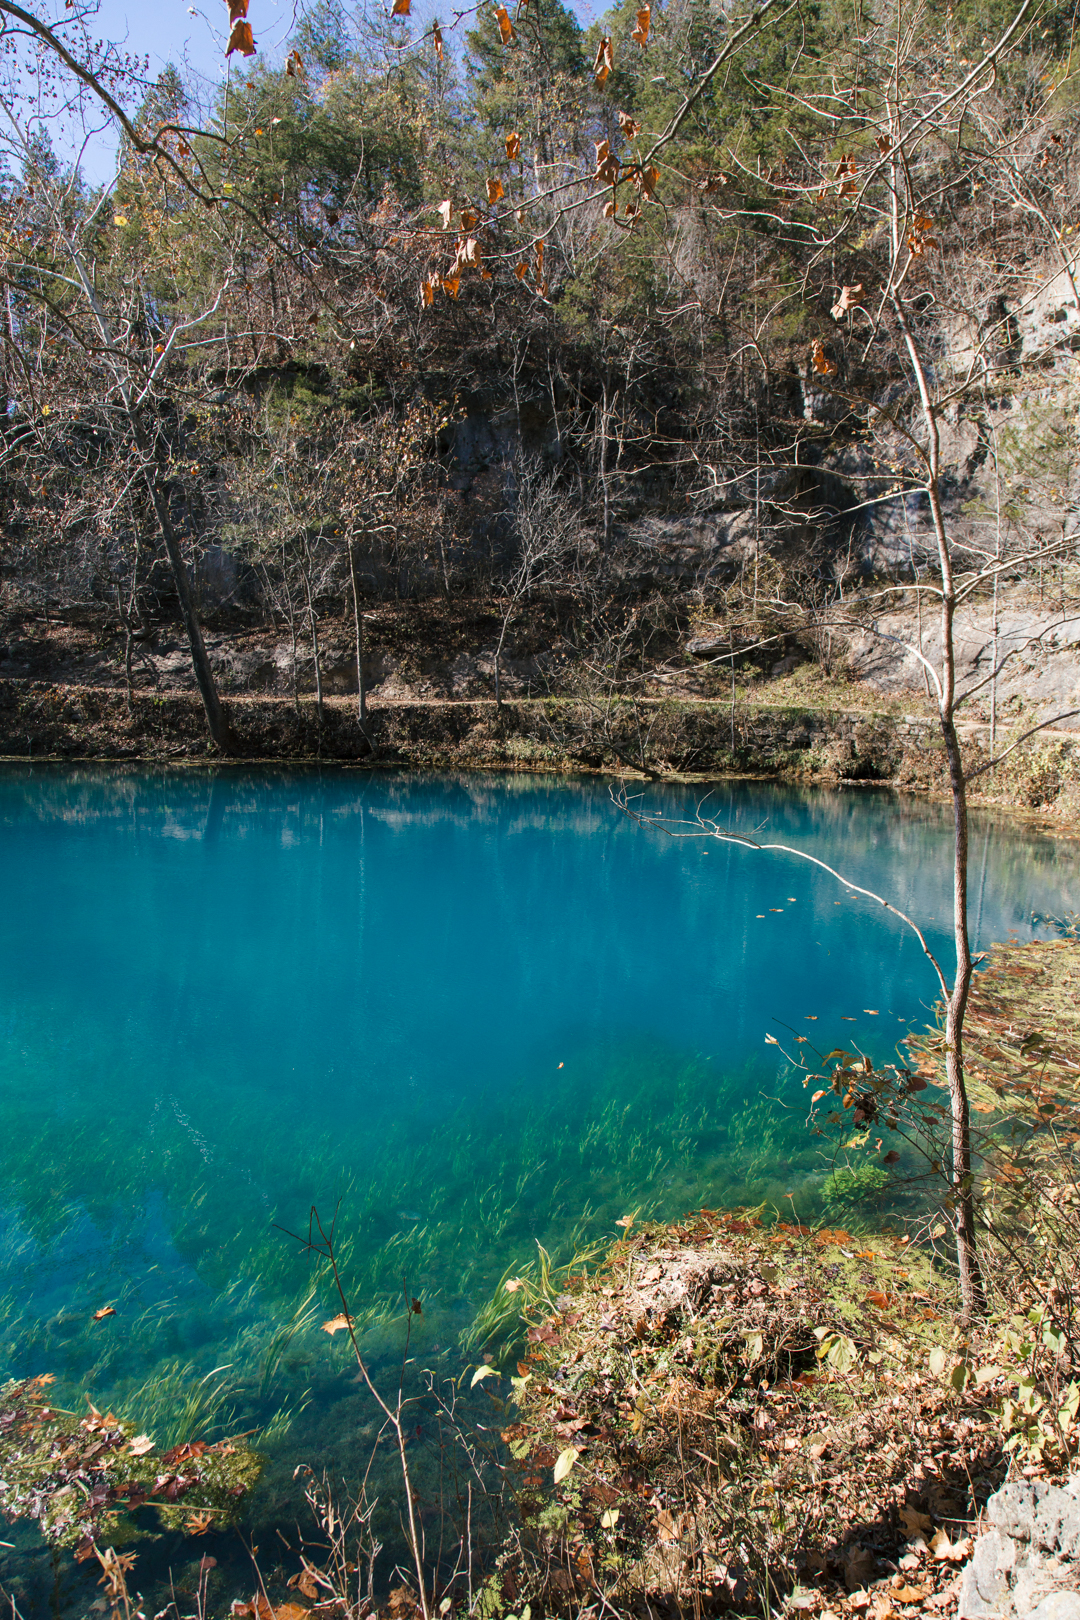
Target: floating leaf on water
x=564 y=1463
x=481 y=1372
x=337 y=1322
x=106 y=1310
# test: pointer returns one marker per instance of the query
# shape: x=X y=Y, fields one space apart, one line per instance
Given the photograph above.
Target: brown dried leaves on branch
x=607 y=165
x=640 y=34
x=506 y=27
x=240 y=36
x=846 y=301
x=820 y=360
x=919 y=238
x=241 y=40
x=604 y=63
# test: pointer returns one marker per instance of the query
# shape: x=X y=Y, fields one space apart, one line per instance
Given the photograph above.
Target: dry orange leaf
x=237 y=10
x=513 y=145
x=436 y=39
x=336 y=1323
x=825 y=368
x=427 y=293
x=495 y=191
x=521 y=271
x=646 y=179
x=607 y=167
x=641 y=32
x=241 y=40
x=506 y=27
x=628 y=126
x=106 y=1310
x=604 y=61
x=468 y=219
x=294 y=65
x=401 y=8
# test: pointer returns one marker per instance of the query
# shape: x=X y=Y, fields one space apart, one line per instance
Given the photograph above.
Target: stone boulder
x=1027 y=1564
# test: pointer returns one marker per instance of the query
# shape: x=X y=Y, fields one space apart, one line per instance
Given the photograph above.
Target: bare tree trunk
x=358 y=624
x=972 y=1290
x=498 y=652
x=215 y=713
x=158 y=490
x=314 y=628
x=125 y=619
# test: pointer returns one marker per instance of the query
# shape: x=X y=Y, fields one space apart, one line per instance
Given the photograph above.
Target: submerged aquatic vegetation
x=212 y=1354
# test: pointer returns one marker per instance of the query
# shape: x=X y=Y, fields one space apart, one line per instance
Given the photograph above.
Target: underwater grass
x=218 y=1313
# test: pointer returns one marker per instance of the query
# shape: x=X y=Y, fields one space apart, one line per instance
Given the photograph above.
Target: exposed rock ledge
x=1028 y=1563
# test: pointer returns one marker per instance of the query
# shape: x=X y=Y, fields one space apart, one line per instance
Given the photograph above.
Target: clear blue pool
x=472 y=1013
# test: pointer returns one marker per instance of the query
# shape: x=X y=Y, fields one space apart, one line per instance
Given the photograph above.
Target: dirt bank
x=661 y=736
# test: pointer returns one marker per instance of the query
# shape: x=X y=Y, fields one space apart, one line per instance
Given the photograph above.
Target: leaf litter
x=729 y=1406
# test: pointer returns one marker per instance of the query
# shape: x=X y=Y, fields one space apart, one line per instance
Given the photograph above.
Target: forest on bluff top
x=598 y=341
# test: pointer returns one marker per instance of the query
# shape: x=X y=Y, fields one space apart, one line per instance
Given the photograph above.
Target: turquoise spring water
x=470 y=1013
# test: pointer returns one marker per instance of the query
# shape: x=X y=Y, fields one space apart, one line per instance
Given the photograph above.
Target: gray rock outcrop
x=1027 y=1564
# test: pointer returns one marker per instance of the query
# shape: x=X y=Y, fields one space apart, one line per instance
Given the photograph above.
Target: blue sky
x=192 y=34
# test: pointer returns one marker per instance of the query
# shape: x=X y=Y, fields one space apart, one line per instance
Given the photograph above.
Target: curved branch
x=704 y=828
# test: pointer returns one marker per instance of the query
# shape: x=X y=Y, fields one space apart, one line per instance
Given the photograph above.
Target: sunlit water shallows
x=467 y=1013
